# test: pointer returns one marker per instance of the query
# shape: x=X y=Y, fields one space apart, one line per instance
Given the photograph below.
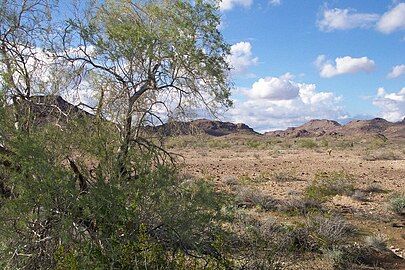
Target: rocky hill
x=202 y=126
x=57 y=110
x=355 y=128
x=51 y=109
x=316 y=127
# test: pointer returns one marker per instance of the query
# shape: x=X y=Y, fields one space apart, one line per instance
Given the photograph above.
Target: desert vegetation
x=113 y=179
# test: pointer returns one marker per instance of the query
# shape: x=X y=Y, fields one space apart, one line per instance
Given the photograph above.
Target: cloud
x=241 y=58
x=396 y=72
x=343 y=65
x=392 y=20
x=275 y=2
x=229 y=4
x=273 y=88
x=279 y=102
x=344 y=19
x=391 y=105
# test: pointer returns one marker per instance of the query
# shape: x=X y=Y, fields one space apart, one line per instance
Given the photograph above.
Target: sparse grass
x=397 y=204
x=382 y=155
x=247 y=180
x=325 y=185
x=285 y=177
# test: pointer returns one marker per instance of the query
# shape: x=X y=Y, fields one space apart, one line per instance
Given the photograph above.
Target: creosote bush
x=330 y=184
x=397 y=204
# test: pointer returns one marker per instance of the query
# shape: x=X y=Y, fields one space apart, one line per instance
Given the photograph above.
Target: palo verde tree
x=152 y=58
x=77 y=193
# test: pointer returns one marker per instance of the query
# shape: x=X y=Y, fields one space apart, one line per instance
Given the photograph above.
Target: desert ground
x=272 y=178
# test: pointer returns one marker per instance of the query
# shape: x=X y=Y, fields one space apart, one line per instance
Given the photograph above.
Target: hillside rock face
x=203 y=126
x=50 y=109
x=54 y=109
x=315 y=128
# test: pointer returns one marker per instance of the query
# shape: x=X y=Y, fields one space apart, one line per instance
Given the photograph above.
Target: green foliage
x=155 y=219
x=325 y=185
x=307 y=143
x=218 y=143
x=254 y=144
x=397 y=204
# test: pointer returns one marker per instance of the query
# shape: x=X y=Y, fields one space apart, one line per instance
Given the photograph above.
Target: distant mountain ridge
x=202 y=126
x=55 y=109
x=321 y=127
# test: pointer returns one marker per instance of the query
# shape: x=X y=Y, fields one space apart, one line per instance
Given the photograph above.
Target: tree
x=81 y=194
x=152 y=57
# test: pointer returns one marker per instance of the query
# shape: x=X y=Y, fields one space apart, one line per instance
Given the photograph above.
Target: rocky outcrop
x=202 y=126
x=355 y=128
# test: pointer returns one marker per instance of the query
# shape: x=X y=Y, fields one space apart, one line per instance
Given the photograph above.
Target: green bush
x=92 y=217
x=307 y=143
x=397 y=204
x=325 y=185
x=254 y=144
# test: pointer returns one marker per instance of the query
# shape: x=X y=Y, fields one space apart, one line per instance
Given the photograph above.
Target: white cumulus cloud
x=391 y=105
x=392 y=20
x=273 y=88
x=275 y=2
x=229 y=4
x=396 y=71
x=343 y=19
x=279 y=102
x=241 y=58
x=343 y=65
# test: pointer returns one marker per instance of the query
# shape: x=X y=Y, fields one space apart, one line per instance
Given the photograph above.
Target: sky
x=296 y=60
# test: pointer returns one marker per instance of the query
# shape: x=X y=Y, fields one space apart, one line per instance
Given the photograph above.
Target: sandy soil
x=371 y=216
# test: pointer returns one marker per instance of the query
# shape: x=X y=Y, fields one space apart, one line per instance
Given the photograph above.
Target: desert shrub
x=377 y=242
x=377 y=143
x=324 y=185
x=58 y=217
x=254 y=144
x=251 y=197
x=285 y=177
x=374 y=188
x=218 y=144
x=397 y=204
x=307 y=143
x=303 y=206
x=231 y=180
x=344 y=144
x=359 y=195
x=324 y=143
x=382 y=155
x=331 y=231
x=353 y=256
x=299 y=239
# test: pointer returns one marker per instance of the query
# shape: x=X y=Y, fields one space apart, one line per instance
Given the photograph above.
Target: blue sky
x=297 y=60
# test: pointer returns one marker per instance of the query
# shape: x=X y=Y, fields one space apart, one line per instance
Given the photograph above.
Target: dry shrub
x=251 y=197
